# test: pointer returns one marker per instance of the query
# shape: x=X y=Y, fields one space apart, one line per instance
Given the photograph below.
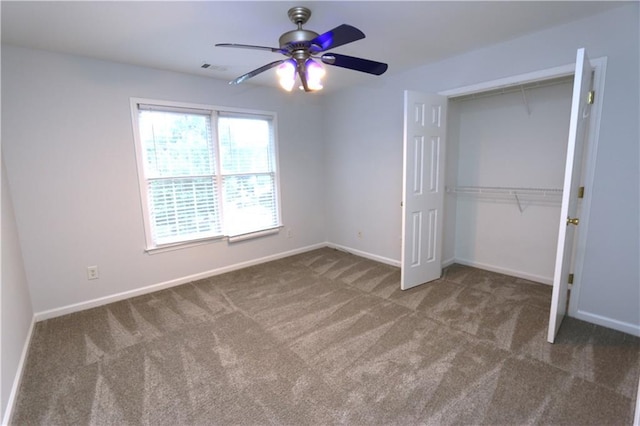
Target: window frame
x=214 y=112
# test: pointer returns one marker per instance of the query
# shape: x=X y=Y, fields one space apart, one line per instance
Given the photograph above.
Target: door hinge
x=581 y=192
x=570 y=280
x=592 y=96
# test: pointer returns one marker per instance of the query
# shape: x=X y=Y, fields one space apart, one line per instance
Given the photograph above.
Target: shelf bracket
x=524 y=99
x=519 y=204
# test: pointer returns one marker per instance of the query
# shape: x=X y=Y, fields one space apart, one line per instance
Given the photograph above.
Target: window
x=205 y=172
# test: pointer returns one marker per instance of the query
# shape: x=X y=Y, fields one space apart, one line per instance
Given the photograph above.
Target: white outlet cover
x=92 y=273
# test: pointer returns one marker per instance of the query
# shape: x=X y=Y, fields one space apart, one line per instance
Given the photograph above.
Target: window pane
x=176 y=144
x=245 y=145
x=249 y=203
x=183 y=209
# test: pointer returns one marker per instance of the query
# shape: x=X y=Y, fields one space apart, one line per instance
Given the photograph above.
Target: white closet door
x=580 y=109
x=423 y=188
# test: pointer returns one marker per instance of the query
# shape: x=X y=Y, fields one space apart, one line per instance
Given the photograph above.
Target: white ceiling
x=180 y=35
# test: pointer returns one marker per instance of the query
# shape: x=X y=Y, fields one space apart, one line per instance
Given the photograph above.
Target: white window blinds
x=205 y=173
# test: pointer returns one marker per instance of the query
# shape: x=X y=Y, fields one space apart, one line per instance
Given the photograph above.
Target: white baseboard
x=625 y=327
x=636 y=418
x=506 y=271
x=6 y=419
x=365 y=254
x=448 y=262
x=76 y=307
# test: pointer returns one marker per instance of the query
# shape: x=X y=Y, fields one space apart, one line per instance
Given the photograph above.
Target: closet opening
x=505 y=162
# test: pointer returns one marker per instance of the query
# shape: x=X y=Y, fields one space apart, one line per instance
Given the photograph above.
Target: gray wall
x=610 y=293
x=69 y=152
x=16 y=311
x=363 y=148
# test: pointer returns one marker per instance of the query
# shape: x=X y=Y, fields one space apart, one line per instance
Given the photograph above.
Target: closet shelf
x=499 y=192
x=504 y=190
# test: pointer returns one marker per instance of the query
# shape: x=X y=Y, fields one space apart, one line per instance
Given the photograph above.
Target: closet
x=505 y=161
x=494 y=176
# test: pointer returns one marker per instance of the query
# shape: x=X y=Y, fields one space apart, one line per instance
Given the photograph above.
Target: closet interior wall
x=506 y=152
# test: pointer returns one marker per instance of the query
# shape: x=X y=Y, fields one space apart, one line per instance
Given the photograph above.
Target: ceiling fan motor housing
x=297 y=39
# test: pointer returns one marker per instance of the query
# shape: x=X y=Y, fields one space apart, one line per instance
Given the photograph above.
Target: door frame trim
x=599 y=70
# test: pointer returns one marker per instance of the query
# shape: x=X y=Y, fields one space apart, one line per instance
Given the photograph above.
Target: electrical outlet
x=289 y=233
x=92 y=272
x=360 y=234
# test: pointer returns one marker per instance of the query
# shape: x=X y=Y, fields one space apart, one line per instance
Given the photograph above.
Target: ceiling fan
x=303 y=48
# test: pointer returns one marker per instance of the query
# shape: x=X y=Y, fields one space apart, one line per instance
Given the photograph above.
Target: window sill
x=252 y=235
x=182 y=245
x=193 y=243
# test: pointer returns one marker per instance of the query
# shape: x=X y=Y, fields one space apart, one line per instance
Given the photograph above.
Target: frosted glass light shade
x=315 y=72
x=287 y=74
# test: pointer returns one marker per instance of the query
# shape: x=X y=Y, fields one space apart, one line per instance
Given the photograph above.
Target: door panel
x=578 y=125
x=423 y=188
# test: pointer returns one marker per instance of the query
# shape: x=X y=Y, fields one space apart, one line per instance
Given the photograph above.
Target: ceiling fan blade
x=357 y=64
x=249 y=46
x=336 y=37
x=256 y=72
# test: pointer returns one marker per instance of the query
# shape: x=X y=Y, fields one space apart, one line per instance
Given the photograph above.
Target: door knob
x=573 y=221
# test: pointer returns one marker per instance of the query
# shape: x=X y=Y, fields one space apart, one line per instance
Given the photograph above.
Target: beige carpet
x=327 y=337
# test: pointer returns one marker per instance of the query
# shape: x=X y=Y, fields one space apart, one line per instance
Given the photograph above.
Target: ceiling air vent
x=207 y=66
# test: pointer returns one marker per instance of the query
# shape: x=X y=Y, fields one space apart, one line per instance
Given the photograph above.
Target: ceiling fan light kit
x=304 y=49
